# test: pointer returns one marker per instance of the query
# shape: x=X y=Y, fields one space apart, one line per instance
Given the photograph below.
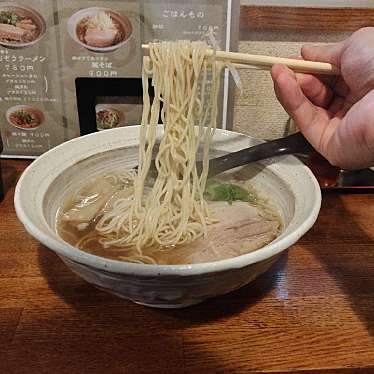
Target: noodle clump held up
x=173 y=211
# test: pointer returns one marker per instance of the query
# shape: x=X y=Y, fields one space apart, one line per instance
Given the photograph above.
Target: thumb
x=325 y=53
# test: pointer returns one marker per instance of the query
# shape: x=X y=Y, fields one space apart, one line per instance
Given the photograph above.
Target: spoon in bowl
x=292 y=144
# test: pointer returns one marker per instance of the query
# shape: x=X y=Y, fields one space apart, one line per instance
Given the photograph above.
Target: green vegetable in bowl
x=10 y=18
x=218 y=191
x=28 y=118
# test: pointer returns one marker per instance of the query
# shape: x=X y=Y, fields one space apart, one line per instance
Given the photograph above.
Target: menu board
x=45 y=45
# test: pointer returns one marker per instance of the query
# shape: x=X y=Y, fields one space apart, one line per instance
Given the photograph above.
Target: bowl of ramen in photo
x=25 y=117
x=99 y=29
x=108 y=117
x=20 y=26
x=259 y=211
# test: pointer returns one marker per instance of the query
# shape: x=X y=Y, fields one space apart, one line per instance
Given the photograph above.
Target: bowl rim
x=64 y=249
x=71 y=29
x=34 y=13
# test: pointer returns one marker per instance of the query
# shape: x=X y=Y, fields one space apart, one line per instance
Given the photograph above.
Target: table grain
x=313 y=312
x=304 y=19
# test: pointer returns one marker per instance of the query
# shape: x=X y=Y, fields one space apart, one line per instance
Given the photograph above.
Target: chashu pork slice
x=10 y=32
x=242 y=228
x=26 y=24
x=100 y=38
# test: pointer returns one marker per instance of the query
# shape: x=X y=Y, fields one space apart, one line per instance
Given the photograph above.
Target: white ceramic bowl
x=25 y=12
x=122 y=20
x=42 y=186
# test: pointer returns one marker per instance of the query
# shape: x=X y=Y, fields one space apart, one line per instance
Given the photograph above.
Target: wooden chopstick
x=240 y=60
x=237 y=66
x=266 y=62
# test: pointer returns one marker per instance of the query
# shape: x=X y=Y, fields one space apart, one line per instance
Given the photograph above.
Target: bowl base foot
x=167 y=306
x=150 y=305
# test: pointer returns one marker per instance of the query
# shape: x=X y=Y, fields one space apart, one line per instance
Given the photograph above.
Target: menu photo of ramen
x=100 y=29
x=108 y=117
x=118 y=114
x=20 y=26
x=25 y=117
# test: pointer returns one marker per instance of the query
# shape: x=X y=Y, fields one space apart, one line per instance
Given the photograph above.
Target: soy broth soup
x=244 y=221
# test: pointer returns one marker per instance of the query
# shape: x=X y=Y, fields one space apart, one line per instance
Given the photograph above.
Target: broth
x=240 y=227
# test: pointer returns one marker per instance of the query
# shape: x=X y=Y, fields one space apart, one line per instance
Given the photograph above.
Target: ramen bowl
x=123 y=22
x=24 y=11
x=28 y=109
x=42 y=187
x=109 y=108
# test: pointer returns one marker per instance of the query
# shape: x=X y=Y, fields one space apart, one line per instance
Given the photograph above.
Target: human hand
x=335 y=114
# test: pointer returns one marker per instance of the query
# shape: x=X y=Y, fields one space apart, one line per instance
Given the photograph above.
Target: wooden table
x=312 y=312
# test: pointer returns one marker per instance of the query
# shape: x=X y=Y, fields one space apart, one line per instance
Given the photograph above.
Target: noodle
x=121 y=216
x=174 y=212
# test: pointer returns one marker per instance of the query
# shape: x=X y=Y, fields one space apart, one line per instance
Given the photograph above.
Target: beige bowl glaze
x=45 y=182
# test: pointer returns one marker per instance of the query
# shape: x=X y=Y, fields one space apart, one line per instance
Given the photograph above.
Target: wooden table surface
x=312 y=312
